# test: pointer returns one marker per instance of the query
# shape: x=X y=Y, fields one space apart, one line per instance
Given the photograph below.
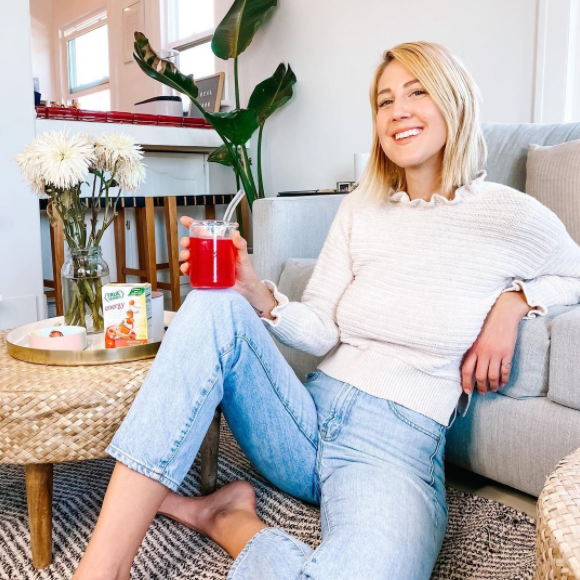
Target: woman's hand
x=490 y=356
x=246 y=279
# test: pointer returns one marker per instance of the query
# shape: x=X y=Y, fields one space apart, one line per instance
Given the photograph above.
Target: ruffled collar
x=461 y=193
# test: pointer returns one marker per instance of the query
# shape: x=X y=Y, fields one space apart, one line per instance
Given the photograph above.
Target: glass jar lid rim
x=89 y=250
x=205 y=223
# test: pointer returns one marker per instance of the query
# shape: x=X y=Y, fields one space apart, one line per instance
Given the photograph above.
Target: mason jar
x=83 y=275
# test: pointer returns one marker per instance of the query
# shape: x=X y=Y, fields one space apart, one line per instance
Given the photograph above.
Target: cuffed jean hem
x=254 y=544
x=140 y=468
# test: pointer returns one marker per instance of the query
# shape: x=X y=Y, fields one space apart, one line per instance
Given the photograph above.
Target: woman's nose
x=400 y=110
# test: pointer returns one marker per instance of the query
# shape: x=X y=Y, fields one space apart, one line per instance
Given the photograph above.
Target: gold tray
x=94 y=354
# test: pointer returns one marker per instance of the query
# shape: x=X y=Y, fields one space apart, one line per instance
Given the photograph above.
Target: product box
x=127 y=314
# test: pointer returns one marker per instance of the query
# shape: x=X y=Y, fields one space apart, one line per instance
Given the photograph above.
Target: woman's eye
x=419 y=92
x=384 y=103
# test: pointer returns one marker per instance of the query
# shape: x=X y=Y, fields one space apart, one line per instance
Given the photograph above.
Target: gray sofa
x=516 y=436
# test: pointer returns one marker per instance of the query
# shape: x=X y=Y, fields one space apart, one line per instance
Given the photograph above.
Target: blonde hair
x=456 y=96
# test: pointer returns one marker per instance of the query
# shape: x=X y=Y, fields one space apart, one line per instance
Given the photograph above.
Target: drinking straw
x=232 y=205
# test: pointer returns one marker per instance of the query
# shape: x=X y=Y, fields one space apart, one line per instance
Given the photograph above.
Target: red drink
x=212 y=263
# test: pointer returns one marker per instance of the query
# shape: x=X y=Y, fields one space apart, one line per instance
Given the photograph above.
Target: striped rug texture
x=485 y=540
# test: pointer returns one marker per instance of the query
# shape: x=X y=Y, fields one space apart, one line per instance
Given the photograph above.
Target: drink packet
x=127 y=314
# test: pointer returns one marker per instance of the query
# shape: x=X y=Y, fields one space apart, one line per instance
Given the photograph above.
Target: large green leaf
x=237 y=125
x=221 y=155
x=236 y=31
x=272 y=93
x=162 y=70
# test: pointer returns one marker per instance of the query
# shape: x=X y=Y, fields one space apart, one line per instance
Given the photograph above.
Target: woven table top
x=50 y=414
x=558 y=534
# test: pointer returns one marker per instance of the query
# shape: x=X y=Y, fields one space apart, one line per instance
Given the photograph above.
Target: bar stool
x=57 y=253
x=146 y=246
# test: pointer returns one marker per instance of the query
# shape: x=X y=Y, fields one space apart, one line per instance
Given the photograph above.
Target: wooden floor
x=483 y=487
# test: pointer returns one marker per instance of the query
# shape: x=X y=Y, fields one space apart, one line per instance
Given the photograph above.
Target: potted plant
x=231 y=38
x=57 y=165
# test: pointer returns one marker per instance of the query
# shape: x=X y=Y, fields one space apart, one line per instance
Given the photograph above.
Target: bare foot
x=205 y=514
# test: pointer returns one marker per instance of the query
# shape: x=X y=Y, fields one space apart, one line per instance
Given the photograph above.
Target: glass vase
x=83 y=275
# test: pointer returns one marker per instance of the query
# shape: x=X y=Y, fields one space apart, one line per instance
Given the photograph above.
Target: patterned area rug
x=485 y=540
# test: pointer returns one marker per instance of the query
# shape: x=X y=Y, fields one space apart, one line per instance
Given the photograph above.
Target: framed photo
x=210 y=94
x=345 y=186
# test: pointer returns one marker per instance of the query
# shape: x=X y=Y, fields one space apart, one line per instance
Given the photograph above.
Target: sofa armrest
x=564 y=385
x=290 y=227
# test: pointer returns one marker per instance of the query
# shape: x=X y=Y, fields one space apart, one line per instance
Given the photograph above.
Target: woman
x=419 y=287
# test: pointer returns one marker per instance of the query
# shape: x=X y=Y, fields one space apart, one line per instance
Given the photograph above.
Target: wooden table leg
x=209 y=455
x=39 y=495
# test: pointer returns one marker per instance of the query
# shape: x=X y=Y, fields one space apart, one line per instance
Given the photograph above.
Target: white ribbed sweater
x=401 y=290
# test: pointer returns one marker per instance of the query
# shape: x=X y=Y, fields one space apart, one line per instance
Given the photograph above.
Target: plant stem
x=94 y=210
x=237 y=180
x=242 y=163
x=260 y=181
x=240 y=169
x=247 y=172
x=106 y=223
x=86 y=295
x=236 y=83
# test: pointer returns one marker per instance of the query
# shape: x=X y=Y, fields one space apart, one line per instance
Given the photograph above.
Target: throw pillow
x=553 y=178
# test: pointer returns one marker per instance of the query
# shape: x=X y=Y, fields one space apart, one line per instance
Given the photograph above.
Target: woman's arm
x=549 y=275
x=556 y=279
x=310 y=325
x=489 y=359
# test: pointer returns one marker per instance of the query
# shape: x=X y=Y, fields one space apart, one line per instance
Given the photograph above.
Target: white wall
x=128 y=83
x=557 y=79
x=20 y=262
x=334 y=47
x=42 y=46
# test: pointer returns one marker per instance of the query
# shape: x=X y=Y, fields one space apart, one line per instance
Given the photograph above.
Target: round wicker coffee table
x=558 y=524
x=53 y=414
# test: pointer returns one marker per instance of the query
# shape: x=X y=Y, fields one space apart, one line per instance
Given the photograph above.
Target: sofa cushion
x=295 y=276
x=565 y=359
x=531 y=361
x=293 y=280
x=514 y=442
x=507 y=146
x=529 y=376
x=553 y=178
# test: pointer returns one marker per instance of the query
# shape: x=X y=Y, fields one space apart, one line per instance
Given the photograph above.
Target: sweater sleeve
x=557 y=280
x=311 y=325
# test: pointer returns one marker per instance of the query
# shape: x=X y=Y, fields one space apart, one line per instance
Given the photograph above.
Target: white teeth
x=409 y=133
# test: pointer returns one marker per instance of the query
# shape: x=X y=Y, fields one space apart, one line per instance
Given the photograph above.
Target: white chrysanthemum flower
x=29 y=163
x=64 y=161
x=114 y=148
x=130 y=176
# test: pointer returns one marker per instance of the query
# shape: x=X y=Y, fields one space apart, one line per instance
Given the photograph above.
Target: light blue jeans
x=374 y=467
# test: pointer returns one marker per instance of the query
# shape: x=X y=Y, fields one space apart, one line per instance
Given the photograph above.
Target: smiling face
x=411 y=130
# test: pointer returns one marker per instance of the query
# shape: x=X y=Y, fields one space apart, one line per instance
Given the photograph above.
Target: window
x=87 y=57
x=198 y=61
x=100 y=101
x=192 y=17
x=191 y=27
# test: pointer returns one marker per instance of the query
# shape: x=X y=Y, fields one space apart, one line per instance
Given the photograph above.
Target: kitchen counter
x=151 y=137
